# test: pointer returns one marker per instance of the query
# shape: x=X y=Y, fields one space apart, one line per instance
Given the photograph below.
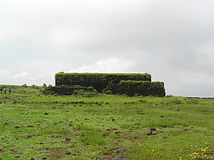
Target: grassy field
x=34 y=126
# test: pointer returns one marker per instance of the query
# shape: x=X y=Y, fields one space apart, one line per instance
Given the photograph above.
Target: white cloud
x=110 y=65
x=171 y=39
x=20 y=75
x=12 y=78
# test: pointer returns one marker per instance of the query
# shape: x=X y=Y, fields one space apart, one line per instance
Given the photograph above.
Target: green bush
x=44 y=85
x=98 y=80
x=24 y=85
x=35 y=87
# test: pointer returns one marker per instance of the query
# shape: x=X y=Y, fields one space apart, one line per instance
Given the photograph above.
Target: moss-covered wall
x=117 y=83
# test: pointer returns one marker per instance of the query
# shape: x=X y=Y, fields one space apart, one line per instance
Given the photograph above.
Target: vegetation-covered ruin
x=116 y=83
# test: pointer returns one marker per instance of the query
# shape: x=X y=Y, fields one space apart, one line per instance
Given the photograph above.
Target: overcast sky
x=173 y=40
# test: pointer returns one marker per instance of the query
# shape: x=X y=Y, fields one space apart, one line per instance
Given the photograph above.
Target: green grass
x=33 y=125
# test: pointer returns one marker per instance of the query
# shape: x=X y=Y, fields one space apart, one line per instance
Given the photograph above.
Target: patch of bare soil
x=124 y=134
x=58 y=153
x=73 y=134
x=1 y=151
x=116 y=154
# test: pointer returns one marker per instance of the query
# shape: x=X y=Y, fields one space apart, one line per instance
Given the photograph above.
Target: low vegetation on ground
x=82 y=126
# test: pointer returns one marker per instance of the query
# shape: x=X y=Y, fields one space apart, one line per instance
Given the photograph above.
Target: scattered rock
x=17 y=127
x=133 y=150
x=211 y=153
x=118 y=132
x=29 y=137
x=111 y=129
x=187 y=129
x=67 y=140
x=116 y=154
x=1 y=151
x=17 y=156
x=68 y=153
x=151 y=130
x=30 y=126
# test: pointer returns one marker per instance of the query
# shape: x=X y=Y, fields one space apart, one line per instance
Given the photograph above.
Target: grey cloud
x=171 y=39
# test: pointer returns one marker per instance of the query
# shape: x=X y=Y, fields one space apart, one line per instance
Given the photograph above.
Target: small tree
x=44 y=85
x=34 y=86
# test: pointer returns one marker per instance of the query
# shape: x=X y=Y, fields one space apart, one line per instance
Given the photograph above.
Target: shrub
x=44 y=85
x=35 y=87
x=108 y=92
